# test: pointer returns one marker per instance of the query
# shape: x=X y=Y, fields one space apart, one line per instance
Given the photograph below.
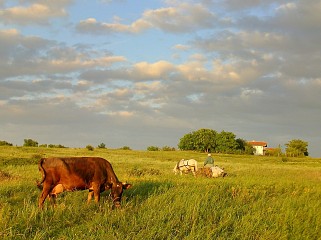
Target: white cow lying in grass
x=212 y=172
x=218 y=172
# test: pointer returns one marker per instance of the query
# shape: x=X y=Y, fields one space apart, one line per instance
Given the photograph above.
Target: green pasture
x=261 y=198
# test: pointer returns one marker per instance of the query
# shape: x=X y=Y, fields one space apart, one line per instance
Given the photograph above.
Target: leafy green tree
x=243 y=147
x=30 y=143
x=226 y=142
x=203 y=140
x=186 y=142
x=296 y=148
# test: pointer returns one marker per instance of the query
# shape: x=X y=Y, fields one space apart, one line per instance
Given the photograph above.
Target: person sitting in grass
x=209 y=161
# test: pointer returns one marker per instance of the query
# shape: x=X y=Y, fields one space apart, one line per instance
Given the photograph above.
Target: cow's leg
x=96 y=190
x=54 y=193
x=45 y=191
x=52 y=199
x=194 y=172
x=90 y=196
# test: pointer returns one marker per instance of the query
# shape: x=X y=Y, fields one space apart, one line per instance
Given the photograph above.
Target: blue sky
x=141 y=74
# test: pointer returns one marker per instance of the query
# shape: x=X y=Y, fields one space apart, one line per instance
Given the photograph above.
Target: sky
x=145 y=73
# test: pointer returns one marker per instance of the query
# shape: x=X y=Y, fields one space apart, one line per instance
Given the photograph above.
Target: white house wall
x=259 y=150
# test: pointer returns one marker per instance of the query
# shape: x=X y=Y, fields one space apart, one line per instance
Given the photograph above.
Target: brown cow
x=79 y=173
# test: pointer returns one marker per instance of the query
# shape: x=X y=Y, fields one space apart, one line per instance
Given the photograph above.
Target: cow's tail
x=43 y=172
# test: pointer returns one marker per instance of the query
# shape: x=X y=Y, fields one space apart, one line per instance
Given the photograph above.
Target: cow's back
x=75 y=172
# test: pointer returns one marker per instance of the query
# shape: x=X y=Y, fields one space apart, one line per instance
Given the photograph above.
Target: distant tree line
x=203 y=140
x=165 y=148
x=32 y=143
x=5 y=143
x=208 y=140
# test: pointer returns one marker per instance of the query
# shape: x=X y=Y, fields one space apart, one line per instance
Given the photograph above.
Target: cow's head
x=116 y=191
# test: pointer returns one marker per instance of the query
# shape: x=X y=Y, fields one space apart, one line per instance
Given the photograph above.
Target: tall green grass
x=261 y=198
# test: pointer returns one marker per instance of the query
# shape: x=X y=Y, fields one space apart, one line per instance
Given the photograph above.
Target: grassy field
x=261 y=198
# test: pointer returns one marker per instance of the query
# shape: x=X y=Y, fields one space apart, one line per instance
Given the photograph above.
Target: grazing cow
x=186 y=166
x=79 y=173
x=218 y=172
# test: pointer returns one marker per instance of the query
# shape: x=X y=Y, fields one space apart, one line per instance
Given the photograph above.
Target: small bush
x=90 y=148
x=125 y=148
x=102 y=145
x=56 y=146
x=152 y=148
x=167 y=148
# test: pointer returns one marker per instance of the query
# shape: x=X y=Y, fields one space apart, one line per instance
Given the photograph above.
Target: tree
x=186 y=142
x=201 y=140
x=205 y=140
x=30 y=143
x=226 y=142
x=296 y=148
x=208 y=140
x=243 y=147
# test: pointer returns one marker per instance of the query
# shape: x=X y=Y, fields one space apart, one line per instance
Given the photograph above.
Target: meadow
x=261 y=198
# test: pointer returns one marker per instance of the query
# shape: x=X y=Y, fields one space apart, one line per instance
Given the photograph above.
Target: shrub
x=30 y=143
x=5 y=143
x=102 y=145
x=125 y=148
x=90 y=148
x=152 y=148
x=167 y=148
x=56 y=146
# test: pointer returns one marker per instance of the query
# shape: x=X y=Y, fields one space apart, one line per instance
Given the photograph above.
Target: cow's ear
x=126 y=185
x=108 y=186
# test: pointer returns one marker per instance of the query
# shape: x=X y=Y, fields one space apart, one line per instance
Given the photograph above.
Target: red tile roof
x=258 y=143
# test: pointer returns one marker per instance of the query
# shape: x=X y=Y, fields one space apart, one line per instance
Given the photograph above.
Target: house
x=259 y=147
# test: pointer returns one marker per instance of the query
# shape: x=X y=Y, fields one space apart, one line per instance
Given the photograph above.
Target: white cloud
x=182 y=17
x=39 y=12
